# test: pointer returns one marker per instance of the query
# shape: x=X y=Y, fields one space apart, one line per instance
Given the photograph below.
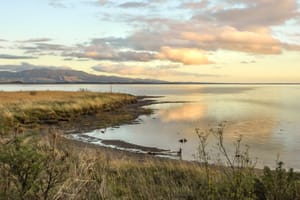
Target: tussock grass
x=55 y=170
x=19 y=108
x=31 y=168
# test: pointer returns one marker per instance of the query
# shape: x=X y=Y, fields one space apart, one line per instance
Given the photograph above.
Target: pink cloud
x=232 y=39
x=258 y=13
x=166 y=71
x=187 y=56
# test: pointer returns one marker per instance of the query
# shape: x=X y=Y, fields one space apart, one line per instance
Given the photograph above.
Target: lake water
x=267 y=116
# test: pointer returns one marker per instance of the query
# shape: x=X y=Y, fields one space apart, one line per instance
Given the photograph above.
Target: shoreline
x=135 y=110
x=69 y=113
x=38 y=110
x=87 y=169
x=146 y=83
x=124 y=113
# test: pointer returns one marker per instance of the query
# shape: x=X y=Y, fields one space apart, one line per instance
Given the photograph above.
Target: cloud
x=169 y=66
x=152 y=72
x=184 y=35
x=68 y=59
x=26 y=66
x=108 y=49
x=195 y=5
x=198 y=36
x=186 y=56
x=34 y=40
x=101 y=2
x=103 y=50
x=133 y=4
x=291 y=47
x=248 y=62
x=2 y=41
x=42 y=48
x=118 y=55
x=232 y=39
x=258 y=13
x=115 y=50
x=130 y=4
x=214 y=26
x=154 y=40
x=57 y=3
x=15 y=57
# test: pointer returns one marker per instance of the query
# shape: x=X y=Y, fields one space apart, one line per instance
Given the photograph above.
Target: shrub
x=30 y=171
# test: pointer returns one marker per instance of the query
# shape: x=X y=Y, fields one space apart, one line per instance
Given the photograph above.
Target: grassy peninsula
x=49 y=166
x=19 y=110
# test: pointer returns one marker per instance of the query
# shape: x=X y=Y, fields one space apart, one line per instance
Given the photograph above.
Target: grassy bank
x=53 y=168
x=49 y=166
x=19 y=109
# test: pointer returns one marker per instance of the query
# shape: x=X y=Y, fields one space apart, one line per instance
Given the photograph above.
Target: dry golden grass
x=43 y=106
x=55 y=168
x=8 y=98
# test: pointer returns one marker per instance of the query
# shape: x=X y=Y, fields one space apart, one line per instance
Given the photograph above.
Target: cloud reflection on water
x=182 y=113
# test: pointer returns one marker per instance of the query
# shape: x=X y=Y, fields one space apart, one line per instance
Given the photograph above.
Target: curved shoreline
x=125 y=114
x=21 y=111
x=135 y=110
x=69 y=113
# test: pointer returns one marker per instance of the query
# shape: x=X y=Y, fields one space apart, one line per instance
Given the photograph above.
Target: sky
x=172 y=40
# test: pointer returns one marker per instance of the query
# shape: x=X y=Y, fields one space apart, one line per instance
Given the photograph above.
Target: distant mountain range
x=64 y=76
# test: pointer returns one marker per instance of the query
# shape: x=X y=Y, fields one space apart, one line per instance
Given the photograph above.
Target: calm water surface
x=267 y=116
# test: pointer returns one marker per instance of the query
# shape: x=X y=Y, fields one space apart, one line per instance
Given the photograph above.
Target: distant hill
x=64 y=76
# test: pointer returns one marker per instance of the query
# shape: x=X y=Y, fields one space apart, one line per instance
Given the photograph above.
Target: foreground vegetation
x=49 y=166
x=19 y=109
x=53 y=168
